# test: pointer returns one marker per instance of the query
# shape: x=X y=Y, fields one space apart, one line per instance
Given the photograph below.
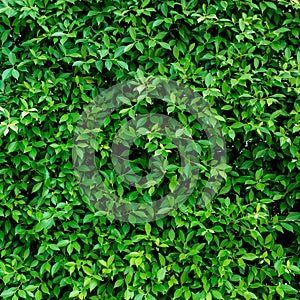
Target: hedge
x=242 y=57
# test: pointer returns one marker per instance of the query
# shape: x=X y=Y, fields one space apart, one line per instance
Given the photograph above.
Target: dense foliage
x=243 y=57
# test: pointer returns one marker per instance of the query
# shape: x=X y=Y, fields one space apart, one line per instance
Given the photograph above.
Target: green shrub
x=242 y=56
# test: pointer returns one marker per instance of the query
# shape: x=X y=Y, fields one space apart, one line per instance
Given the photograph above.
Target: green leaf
x=171 y=234
x=132 y=33
x=282 y=29
x=64 y=118
x=209 y=80
x=119 y=52
x=87 y=270
x=36 y=187
x=74 y=294
x=218 y=228
x=287 y=226
x=63 y=243
x=55 y=268
x=148 y=228
x=157 y=22
x=271 y=5
x=288 y=289
x=128 y=47
x=176 y=52
x=59 y=33
x=9 y=292
x=226 y=262
x=279 y=291
x=6 y=74
x=108 y=64
x=123 y=65
x=208 y=237
x=161 y=274
x=118 y=283
x=15 y=73
x=139 y=46
x=164 y=9
x=293 y=216
x=242 y=24
x=44 y=224
x=38 y=295
x=249 y=256
x=217 y=294
x=12 y=58
x=13 y=147
x=178 y=293
x=225 y=189
x=165 y=45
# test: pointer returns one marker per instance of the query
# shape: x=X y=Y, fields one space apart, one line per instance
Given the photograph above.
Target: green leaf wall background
x=242 y=56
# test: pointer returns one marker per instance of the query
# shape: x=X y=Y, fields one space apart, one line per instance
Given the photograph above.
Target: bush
x=243 y=57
